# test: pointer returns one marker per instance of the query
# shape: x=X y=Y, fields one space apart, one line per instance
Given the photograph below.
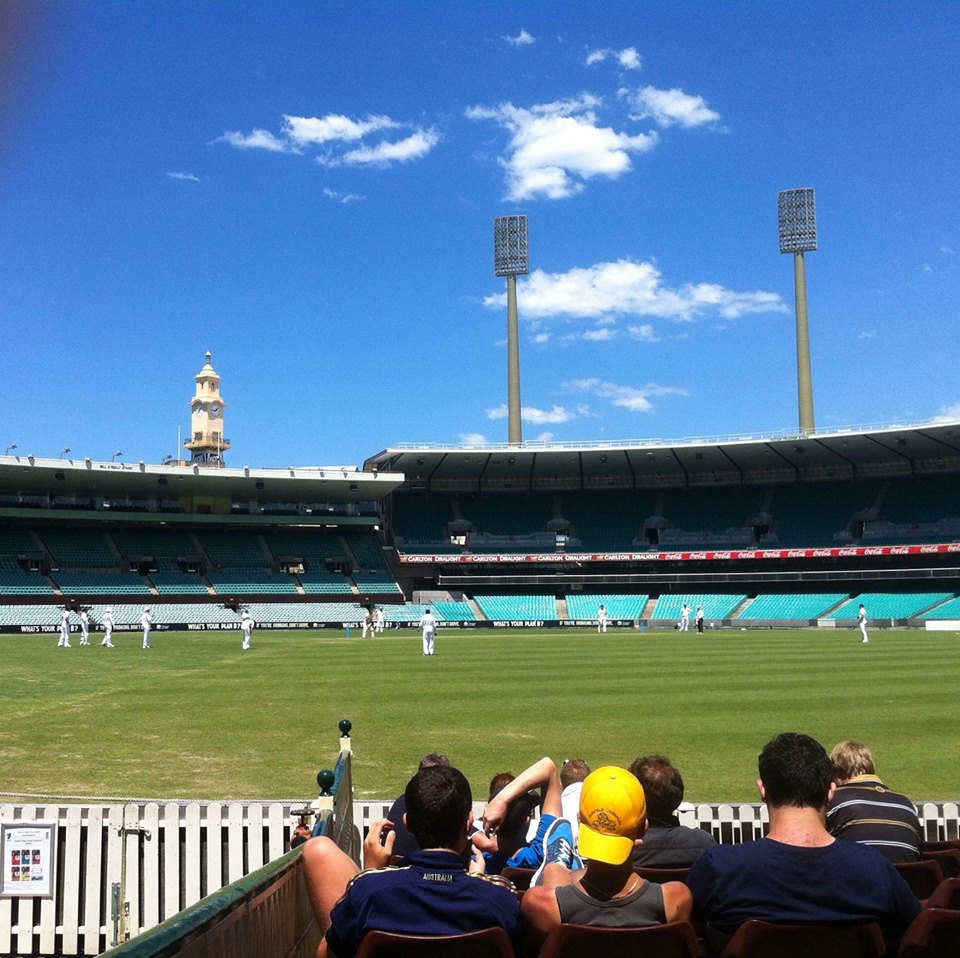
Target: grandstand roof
x=29 y=475
x=884 y=450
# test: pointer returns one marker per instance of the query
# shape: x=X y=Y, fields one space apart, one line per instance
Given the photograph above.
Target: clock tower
x=207 y=444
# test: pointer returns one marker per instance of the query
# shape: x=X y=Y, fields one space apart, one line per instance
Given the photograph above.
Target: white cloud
x=473 y=438
x=342 y=197
x=634 y=398
x=341 y=138
x=555 y=147
x=540 y=338
x=602 y=335
x=414 y=147
x=867 y=334
x=257 y=140
x=191 y=177
x=522 y=39
x=644 y=332
x=332 y=127
x=538 y=417
x=630 y=288
x=544 y=437
x=948 y=250
x=927 y=268
x=669 y=107
x=628 y=58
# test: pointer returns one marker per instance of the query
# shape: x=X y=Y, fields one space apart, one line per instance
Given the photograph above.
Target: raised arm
x=540 y=775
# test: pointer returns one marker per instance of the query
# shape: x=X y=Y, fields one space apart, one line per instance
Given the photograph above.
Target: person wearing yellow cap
x=608 y=892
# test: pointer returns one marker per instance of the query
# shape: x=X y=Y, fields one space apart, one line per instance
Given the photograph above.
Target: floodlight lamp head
x=511 y=246
x=797 y=217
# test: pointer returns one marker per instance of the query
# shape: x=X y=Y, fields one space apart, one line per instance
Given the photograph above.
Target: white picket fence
x=165 y=857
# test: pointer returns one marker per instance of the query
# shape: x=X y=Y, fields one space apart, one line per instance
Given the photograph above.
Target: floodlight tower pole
x=797 y=215
x=511 y=258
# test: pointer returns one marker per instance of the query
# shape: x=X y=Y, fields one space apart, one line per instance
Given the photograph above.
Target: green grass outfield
x=195 y=717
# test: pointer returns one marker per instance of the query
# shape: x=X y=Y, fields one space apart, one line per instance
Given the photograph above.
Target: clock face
x=197 y=406
x=215 y=409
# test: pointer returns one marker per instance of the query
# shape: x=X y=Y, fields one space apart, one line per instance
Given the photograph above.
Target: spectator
x=864 y=810
x=511 y=830
x=572 y=773
x=404 y=842
x=514 y=829
x=607 y=892
x=799 y=872
x=666 y=843
x=431 y=895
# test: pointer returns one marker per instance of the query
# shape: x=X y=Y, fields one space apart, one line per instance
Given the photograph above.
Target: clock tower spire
x=207 y=444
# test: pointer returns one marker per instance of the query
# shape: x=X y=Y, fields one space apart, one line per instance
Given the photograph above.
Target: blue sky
x=308 y=189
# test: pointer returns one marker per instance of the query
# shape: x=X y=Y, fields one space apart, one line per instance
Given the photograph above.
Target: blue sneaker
x=557 y=848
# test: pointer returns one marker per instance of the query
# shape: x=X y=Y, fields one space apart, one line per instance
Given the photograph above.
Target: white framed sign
x=28 y=852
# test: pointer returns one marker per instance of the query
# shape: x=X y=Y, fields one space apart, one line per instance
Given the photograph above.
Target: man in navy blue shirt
x=431 y=894
x=799 y=872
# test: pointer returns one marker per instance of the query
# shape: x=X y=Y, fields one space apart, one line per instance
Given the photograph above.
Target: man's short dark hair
x=573 y=770
x=434 y=758
x=438 y=802
x=662 y=784
x=795 y=770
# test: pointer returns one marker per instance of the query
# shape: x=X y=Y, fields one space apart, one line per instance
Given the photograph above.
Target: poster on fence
x=28 y=854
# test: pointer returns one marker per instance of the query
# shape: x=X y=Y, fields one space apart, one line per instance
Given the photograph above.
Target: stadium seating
x=792 y=606
x=672 y=940
x=76 y=548
x=18 y=582
x=761 y=939
x=454 y=612
x=15 y=542
x=715 y=606
x=947 y=610
x=887 y=605
x=233 y=550
x=488 y=943
x=934 y=933
x=31 y=615
x=581 y=606
x=252 y=581
x=163 y=546
x=325 y=583
x=518 y=608
x=366 y=550
x=100 y=583
x=376 y=583
x=313 y=546
x=178 y=583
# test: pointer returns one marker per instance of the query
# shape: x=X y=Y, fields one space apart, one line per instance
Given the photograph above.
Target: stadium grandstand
x=786 y=530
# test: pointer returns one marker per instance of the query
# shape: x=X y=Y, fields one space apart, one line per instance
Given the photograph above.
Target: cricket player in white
x=366 y=624
x=602 y=619
x=379 y=619
x=145 y=620
x=108 y=627
x=685 y=618
x=246 y=626
x=84 y=627
x=428 y=623
x=64 y=630
x=862 y=623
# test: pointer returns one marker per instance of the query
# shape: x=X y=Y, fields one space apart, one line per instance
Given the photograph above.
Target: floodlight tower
x=511 y=258
x=797 y=215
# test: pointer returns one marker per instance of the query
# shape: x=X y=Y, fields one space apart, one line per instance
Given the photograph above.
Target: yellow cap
x=612 y=812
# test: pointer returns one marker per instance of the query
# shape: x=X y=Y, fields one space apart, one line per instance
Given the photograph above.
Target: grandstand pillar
x=797 y=215
x=511 y=258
